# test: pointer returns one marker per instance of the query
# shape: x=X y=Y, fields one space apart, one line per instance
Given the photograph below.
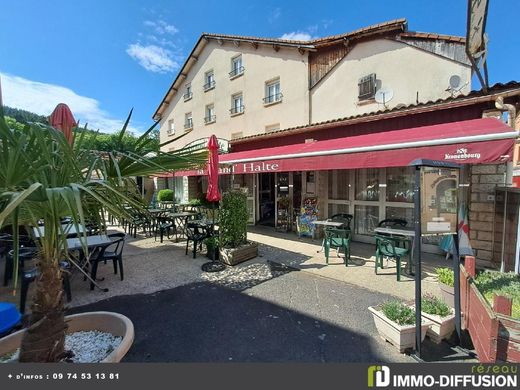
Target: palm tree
x=43 y=178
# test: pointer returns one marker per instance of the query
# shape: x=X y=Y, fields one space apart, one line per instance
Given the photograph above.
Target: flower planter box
x=495 y=336
x=447 y=294
x=104 y=321
x=233 y=256
x=441 y=327
x=400 y=336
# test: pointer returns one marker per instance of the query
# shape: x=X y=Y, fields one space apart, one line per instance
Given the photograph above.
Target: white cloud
x=153 y=58
x=42 y=98
x=274 y=15
x=297 y=36
x=161 y=27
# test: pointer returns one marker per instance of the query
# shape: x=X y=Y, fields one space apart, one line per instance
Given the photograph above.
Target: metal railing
x=209 y=85
x=277 y=97
x=188 y=95
x=236 y=71
x=237 y=110
x=188 y=124
x=210 y=119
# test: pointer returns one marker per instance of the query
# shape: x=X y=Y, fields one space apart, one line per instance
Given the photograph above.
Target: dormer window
x=209 y=81
x=236 y=67
x=367 y=87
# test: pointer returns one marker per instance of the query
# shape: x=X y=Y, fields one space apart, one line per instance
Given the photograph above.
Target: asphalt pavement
x=290 y=317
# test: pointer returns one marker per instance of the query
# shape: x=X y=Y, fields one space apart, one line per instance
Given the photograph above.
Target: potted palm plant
x=233 y=217
x=44 y=178
x=395 y=322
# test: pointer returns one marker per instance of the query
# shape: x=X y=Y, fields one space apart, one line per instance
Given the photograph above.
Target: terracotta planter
x=233 y=256
x=447 y=294
x=441 y=327
x=400 y=336
x=104 y=321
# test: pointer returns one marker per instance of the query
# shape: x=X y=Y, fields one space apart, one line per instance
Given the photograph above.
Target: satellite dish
x=454 y=81
x=384 y=95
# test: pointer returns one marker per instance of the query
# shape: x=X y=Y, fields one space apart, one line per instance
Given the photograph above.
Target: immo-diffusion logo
x=378 y=376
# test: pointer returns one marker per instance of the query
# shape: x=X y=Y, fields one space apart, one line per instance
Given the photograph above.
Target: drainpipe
x=499 y=103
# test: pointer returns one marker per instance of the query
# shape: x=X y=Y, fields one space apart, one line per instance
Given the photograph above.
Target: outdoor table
x=178 y=220
x=400 y=232
x=68 y=228
x=90 y=241
x=96 y=241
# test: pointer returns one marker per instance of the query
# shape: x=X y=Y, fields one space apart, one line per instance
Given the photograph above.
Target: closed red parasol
x=213 y=194
x=62 y=119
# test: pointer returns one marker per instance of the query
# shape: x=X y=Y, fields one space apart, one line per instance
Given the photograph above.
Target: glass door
x=248 y=184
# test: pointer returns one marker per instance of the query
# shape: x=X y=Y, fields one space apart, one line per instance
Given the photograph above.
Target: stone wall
x=484 y=180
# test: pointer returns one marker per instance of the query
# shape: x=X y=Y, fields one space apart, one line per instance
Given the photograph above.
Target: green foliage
x=23 y=116
x=165 y=195
x=398 y=312
x=430 y=304
x=14 y=124
x=211 y=242
x=500 y=283
x=43 y=177
x=446 y=276
x=195 y=202
x=233 y=217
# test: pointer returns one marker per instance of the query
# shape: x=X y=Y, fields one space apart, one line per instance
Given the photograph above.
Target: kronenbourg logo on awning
x=461 y=154
x=381 y=374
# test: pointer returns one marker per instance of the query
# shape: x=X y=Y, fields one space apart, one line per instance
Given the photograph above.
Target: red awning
x=477 y=141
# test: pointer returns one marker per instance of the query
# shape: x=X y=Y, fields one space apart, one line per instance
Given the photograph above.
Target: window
x=271 y=128
x=339 y=184
x=367 y=87
x=272 y=92
x=171 y=127
x=209 y=81
x=210 y=114
x=236 y=135
x=399 y=184
x=188 y=121
x=236 y=67
x=188 y=95
x=237 y=104
x=367 y=184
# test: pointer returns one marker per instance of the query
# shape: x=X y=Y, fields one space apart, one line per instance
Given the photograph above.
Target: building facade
x=291 y=109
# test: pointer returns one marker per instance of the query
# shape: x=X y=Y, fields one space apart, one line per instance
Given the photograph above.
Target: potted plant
x=446 y=285
x=440 y=315
x=395 y=322
x=44 y=177
x=233 y=217
x=212 y=248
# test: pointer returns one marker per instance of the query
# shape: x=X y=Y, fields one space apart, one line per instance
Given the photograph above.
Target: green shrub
x=500 y=283
x=446 y=276
x=195 y=202
x=430 y=304
x=233 y=217
x=399 y=312
x=165 y=195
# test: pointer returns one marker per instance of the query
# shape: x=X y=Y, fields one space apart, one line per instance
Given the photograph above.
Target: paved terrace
x=285 y=305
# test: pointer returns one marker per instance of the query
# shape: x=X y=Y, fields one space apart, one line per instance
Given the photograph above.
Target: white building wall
x=261 y=65
x=405 y=69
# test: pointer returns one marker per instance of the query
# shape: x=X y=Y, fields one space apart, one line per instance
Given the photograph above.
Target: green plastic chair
x=390 y=247
x=337 y=238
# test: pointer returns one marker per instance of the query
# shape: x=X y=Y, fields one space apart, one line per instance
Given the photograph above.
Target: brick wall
x=484 y=180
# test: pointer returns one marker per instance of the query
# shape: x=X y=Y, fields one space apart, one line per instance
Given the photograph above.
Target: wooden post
x=502 y=305
x=469 y=264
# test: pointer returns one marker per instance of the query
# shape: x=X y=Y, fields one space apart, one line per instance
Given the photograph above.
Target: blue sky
x=105 y=57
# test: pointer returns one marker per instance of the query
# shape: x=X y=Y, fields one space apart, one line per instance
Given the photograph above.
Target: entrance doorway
x=266 y=199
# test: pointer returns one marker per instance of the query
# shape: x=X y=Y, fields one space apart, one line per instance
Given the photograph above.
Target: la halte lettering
x=259 y=167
